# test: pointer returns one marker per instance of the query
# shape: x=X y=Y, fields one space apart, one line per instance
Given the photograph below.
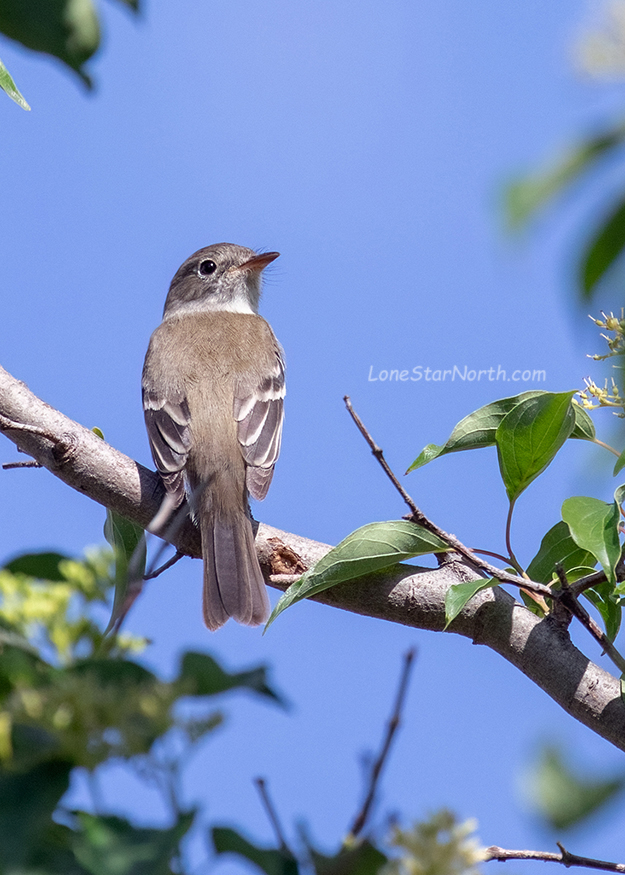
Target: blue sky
x=369 y=144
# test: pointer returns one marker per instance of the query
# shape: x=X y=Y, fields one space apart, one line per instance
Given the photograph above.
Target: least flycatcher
x=213 y=389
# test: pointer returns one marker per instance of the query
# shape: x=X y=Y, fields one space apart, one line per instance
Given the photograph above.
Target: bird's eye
x=206 y=267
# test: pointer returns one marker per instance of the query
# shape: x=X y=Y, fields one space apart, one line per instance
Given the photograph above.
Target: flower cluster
x=594 y=396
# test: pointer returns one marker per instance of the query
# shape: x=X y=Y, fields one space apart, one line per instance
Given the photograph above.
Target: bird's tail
x=233 y=582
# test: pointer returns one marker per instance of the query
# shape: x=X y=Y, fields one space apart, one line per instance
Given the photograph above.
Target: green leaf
x=608 y=605
x=201 y=675
x=459 y=594
x=130 y=548
x=128 y=541
x=475 y=431
x=113 y=846
x=27 y=800
x=8 y=85
x=584 y=429
x=364 y=859
x=271 y=861
x=619 y=464
x=197 y=729
x=529 y=437
x=526 y=196
x=123 y=674
x=562 y=798
x=603 y=250
x=20 y=665
x=43 y=566
x=558 y=547
x=479 y=429
x=619 y=494
x=369 y=549
x=66 y=29
x=594 y=527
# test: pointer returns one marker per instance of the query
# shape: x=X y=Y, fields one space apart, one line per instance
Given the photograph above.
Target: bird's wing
x=259 y=413
x=167 y=422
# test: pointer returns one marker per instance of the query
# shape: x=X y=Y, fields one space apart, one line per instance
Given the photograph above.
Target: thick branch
x=408 y=595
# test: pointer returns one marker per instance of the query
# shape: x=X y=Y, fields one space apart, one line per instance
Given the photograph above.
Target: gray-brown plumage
x=213 y=389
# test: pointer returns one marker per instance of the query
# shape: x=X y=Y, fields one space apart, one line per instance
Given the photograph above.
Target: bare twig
x=597 y=577
x=417 y=516
x=587 y=582
x=391 y=729
x=566 y=858
x=379 y=454
x=165 y=566
x=31 y=463
x=568 y=599
x=270 y=810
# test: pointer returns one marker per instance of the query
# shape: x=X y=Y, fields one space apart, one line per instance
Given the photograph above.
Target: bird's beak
x=258 y=262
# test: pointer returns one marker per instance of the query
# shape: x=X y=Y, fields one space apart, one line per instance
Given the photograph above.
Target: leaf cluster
x=528 y=431
x=71 y=698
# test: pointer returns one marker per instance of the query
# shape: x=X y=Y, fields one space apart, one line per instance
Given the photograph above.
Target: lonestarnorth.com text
x=455 y=373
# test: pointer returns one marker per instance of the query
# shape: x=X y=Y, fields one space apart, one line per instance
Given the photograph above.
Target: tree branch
x=409 y=595
x=566 y=858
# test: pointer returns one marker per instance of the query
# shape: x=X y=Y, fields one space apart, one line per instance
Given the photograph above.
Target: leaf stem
x=606 y=446
x=490 y=553
x=513 y=558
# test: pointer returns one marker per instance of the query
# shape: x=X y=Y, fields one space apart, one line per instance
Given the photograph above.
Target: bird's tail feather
x=233 y=582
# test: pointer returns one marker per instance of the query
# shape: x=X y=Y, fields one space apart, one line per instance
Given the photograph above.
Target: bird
x=213 y=388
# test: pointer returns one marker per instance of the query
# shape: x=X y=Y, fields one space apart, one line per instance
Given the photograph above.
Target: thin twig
x=7 y=466
x=165 y=566
x=567 y=597
x=379 y=454
x=391 y=729
x=587 y=582
x=418 y=517
x=566 y=858
x=176 y=520
x=597 y=577
x=270 y=810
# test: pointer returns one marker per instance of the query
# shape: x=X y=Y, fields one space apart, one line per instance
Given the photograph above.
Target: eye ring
x=206 y=267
